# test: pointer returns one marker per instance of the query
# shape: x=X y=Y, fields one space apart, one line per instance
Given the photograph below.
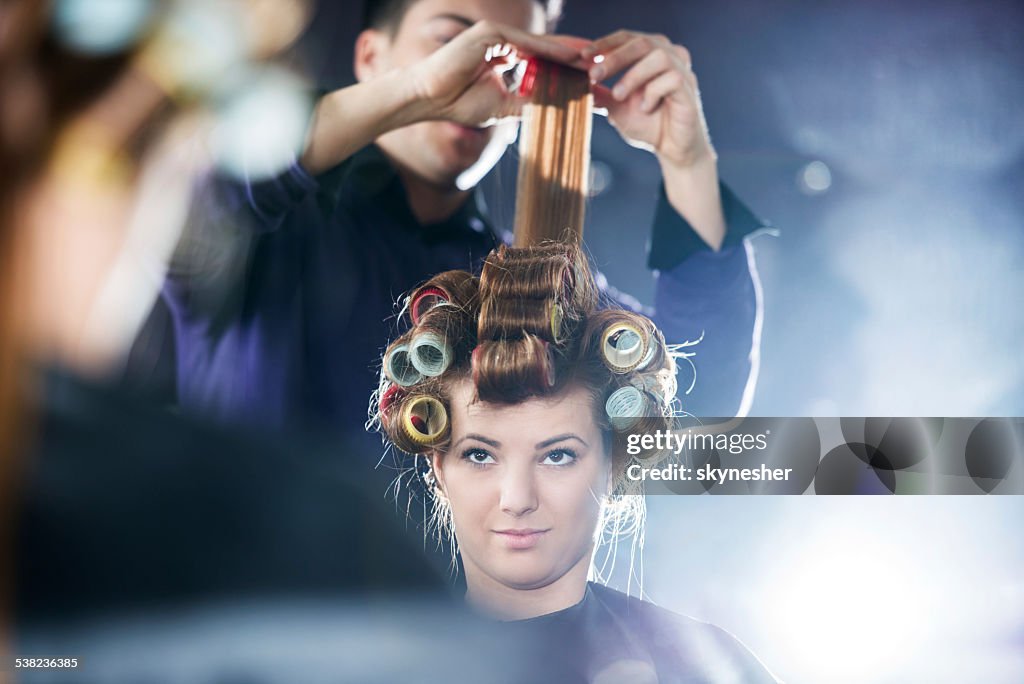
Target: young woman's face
x=525 y=484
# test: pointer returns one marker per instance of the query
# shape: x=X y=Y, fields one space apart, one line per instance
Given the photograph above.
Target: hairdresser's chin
x=467 y=143
x=438 y=152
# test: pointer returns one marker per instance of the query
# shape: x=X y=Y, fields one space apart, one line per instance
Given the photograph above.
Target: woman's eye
x=478 y=457
x=559 y=457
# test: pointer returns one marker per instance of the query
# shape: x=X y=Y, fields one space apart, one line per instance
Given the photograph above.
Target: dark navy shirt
x=295 y=300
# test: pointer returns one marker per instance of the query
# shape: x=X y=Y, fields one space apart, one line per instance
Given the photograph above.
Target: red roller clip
x=529 y=81
x=391 y=395
x=425 y=300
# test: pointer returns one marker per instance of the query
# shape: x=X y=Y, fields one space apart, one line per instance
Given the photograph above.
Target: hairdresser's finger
x=643 y=72
x=487 y=33
x=443 y=77
x=608 y=43
x=666 y=85
x=575 y=42
x=684 y=56
x=511 y=107
x=622 y=58
x=603 y=99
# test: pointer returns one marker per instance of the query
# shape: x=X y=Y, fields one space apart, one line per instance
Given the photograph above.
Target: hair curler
x=546 y=367
x=391 y=396
x=556 y=322
x=625 y=407
x=424 y=421
x=399 y=366
x=623 y=347
x=650 y=383
x=426 y=299
x=652 y=346
x=430 y=353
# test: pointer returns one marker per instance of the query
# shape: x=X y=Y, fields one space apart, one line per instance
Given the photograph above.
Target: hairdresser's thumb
x=512 y=106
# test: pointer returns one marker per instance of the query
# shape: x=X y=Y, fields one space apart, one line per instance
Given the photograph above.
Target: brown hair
x=529 y=326
x=554 y=154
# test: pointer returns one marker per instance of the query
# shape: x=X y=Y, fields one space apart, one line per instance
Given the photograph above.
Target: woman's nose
x=518 y=491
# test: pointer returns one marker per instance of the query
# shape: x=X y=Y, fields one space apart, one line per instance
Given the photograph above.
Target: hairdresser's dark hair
x=387 y=14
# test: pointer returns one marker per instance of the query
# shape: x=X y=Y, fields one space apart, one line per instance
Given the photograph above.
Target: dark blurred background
x=883 y=139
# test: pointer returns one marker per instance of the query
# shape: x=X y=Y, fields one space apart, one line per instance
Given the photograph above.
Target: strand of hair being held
x=554 y=154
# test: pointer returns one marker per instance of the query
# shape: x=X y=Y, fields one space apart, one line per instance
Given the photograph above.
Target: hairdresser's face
x=439 y=151
x=525 y=483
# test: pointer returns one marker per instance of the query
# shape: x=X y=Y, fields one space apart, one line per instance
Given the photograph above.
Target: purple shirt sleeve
x=710 y=303
x=271 y=199
x=226 y=218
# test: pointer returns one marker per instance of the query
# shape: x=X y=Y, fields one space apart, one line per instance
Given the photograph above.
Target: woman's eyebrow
x=559 y=438
x=486 y=440
x=465 y=21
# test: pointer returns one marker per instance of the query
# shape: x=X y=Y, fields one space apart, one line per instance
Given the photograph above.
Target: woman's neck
x=497 y=600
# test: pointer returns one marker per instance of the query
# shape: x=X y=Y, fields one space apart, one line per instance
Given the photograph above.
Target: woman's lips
x=520 y=539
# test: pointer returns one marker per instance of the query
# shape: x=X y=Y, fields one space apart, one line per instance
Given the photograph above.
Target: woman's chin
x=524 y=576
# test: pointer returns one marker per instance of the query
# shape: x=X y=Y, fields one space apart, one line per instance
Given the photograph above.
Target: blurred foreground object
x=151 y=545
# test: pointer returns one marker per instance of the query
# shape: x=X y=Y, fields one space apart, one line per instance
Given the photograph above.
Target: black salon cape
x=610 y=637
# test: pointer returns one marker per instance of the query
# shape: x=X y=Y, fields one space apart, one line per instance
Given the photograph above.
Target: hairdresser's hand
x=656 y=103
x=462 y=80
